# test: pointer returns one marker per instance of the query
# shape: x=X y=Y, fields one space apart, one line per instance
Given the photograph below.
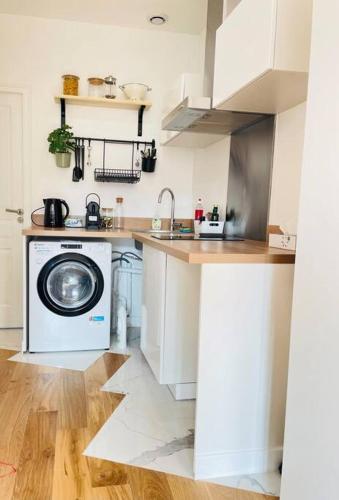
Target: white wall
x=287 y=162
x=311 y=464
x=210 y=175
x=35 y=52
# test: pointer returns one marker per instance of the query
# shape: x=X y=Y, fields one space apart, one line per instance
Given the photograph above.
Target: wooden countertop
x=79 y=232
x=219 y=252
x=193 y=252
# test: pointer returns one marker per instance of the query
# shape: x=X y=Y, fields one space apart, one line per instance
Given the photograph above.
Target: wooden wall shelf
x=102 y=101
x=140 y=106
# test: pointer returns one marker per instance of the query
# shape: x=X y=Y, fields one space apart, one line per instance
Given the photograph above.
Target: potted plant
x=61 y=144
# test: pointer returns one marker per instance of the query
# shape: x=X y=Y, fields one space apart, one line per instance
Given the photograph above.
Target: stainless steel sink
x=163 y=234
x=173 y=236
x=151 y=231
x=190 y=237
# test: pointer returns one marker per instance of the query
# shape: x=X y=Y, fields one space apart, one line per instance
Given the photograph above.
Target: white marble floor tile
x=268 y=483
x=74 y=360
x=181 y=464
x=149 y=428
x=11 y=339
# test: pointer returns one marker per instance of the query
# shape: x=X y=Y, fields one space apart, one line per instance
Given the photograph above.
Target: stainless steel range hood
x=196 y=115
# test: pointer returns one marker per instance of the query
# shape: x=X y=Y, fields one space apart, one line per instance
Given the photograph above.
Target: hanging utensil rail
x=130 y=176
x=117 y=141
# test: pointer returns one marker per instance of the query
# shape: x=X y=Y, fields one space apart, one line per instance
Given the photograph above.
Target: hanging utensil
x=89 y=154
x=132 y=156
x=75 y=177
x=82 y=159
x=137 y=161
x=77 y=171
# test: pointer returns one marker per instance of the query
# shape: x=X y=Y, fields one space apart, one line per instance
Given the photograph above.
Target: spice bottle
x=118 y=219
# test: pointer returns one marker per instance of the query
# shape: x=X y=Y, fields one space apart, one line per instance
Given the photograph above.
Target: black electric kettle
x=53 y=212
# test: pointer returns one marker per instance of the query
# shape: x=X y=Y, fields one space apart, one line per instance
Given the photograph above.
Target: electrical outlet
x=283 y=241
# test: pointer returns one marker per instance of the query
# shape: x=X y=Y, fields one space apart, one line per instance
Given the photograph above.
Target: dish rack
x=117 y=175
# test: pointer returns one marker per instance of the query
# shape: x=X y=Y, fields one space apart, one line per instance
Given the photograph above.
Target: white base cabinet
x=262 y=56
x=170 y=317
x=244 y=338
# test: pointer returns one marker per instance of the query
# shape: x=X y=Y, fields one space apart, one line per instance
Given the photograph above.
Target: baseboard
x=234 y=463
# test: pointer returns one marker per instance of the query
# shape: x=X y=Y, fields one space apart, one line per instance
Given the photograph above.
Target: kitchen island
x=216 y=322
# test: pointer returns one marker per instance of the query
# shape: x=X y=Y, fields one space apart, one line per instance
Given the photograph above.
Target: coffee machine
x=93 y=219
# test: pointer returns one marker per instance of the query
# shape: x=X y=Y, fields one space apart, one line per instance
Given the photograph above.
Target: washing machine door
x=70 y=284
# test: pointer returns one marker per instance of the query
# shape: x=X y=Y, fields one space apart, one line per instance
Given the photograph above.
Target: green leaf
x=61 y=140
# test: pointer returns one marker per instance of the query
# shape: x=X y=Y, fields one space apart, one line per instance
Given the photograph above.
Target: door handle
x=18 y=211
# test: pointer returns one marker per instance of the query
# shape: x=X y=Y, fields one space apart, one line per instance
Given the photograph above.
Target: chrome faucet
x=172 y=206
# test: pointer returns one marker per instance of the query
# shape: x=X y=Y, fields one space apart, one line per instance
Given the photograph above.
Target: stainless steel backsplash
x=249 y=182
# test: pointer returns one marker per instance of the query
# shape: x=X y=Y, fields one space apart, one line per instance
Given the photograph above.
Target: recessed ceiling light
x=158 y=20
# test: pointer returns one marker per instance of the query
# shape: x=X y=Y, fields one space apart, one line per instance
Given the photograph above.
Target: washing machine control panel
x=71 y=246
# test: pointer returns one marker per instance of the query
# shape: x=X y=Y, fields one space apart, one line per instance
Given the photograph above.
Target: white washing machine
x=69 y=300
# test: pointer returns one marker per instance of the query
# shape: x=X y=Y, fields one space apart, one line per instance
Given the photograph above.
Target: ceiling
x=184 y=16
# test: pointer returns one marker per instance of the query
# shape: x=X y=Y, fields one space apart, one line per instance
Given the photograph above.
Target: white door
x=11 y=197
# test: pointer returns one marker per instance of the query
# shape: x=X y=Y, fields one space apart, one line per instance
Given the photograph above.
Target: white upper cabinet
x=262 y=55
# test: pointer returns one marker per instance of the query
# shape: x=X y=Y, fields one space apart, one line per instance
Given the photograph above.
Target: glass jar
x=119 y=208
x=95 y=87
x=107 y=218
x=71 y=85
x=110 y=87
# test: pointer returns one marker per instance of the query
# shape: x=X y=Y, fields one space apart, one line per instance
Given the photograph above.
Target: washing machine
x=69 y=299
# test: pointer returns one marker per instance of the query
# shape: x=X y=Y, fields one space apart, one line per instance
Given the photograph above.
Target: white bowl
x=135 y=91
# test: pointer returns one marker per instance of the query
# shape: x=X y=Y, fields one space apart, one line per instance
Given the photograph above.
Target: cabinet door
x=244 y=47
x=181 y=322
x=153 y=307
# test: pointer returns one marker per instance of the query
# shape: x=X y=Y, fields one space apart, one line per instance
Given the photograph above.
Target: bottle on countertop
x=215 y=213
x=199 y=210
x=156 y=221
x=119 y=209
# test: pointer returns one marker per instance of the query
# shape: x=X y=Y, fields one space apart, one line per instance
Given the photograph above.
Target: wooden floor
x=47 y=418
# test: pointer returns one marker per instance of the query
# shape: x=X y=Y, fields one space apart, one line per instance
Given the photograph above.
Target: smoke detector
x=158 y=19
